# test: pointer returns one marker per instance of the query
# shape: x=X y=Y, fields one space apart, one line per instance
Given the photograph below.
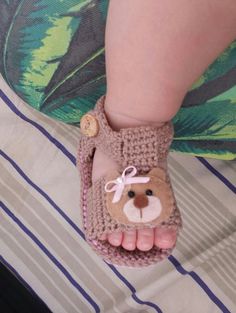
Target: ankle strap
x=144 y=147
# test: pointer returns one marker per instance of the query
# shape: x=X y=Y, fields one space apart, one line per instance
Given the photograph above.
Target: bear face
x=151 y=202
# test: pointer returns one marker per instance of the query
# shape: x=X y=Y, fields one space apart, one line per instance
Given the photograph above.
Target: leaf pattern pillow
x=52 y=55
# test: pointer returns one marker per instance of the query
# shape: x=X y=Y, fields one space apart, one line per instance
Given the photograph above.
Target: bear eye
x=131 y=194
x=149 y=192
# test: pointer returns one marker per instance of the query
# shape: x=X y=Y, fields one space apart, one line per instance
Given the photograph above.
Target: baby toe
x=145 y=239
x=129 y=240
x=165 y=238
x=115 y=239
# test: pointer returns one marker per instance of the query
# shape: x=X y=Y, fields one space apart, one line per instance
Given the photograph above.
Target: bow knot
x=126 y=178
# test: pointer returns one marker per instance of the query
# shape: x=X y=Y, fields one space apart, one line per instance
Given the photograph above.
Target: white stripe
x=187 y=195
x=30 y=276
x=223 y=275
x=197 y=220
x=197 y=195
x=201 y=174
x=82 y=244
x=64 y=250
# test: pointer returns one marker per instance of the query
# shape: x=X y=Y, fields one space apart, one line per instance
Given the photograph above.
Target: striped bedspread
x=42 y=241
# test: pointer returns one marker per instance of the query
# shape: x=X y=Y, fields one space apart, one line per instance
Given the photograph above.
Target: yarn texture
x=145 y=147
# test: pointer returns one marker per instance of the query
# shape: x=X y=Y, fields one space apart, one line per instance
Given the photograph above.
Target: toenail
x=116 y=242
x=166 y=238
x=129 y=246
x=165 y=245
x=164 y=241
x=145 y=246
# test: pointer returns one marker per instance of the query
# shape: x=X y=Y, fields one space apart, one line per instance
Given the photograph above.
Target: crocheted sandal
x=138 y=196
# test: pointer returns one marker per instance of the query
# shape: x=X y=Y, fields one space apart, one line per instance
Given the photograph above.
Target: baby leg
x=155 y=50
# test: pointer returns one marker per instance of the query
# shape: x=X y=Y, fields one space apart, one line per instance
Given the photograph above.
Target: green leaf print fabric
x=52 y=56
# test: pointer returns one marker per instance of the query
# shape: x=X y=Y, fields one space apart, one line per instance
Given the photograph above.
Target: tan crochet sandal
x=138 y=196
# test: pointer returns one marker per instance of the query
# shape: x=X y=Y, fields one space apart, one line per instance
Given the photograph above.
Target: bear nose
x=141 y=201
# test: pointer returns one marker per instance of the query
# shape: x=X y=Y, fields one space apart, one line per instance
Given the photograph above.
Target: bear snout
x=140 y=201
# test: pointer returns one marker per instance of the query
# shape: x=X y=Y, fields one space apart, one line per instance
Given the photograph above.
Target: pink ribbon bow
x=126 y=178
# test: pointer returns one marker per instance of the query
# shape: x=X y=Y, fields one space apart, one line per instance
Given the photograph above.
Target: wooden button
x=89 y=125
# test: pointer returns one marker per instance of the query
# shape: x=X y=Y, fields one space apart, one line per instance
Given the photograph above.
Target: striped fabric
x=42 y=240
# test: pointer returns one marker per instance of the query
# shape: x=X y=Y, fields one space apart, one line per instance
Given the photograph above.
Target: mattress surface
x=42 y=240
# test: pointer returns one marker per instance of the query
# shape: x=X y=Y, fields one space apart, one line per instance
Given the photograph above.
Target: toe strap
x=143 y=146
x=100 y=220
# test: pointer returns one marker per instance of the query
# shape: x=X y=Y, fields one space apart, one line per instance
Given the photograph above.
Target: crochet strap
x=143 y=147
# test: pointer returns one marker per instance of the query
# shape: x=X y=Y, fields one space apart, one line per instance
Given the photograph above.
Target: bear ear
x=158 y=172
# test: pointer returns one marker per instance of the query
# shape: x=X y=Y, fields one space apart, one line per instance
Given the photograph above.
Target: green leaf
x=8 y=10
x=223 y=64
x=52 y=55
x=210 y=90
x=215 y=120
x=54 y=52
x=207 y=130
x=222 y=150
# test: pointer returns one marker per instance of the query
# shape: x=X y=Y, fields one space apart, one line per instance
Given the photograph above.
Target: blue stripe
x=39 y=190
x=9 y=103
x=56 y=207
x=133 y=290
x=200 y=282
x=51 y=257
x=224 y=180
x=39 y=127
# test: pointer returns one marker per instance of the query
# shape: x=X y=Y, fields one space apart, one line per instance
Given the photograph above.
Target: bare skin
x=155 y=51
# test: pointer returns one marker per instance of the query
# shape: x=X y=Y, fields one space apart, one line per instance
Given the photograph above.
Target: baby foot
x=143 y=239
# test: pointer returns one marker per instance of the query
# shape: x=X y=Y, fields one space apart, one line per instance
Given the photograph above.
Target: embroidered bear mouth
x=143 y=215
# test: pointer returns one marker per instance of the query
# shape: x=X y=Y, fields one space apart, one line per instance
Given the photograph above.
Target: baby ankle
x=118 y=120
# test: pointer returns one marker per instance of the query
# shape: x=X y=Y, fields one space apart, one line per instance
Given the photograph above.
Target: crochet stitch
x=145 y=148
